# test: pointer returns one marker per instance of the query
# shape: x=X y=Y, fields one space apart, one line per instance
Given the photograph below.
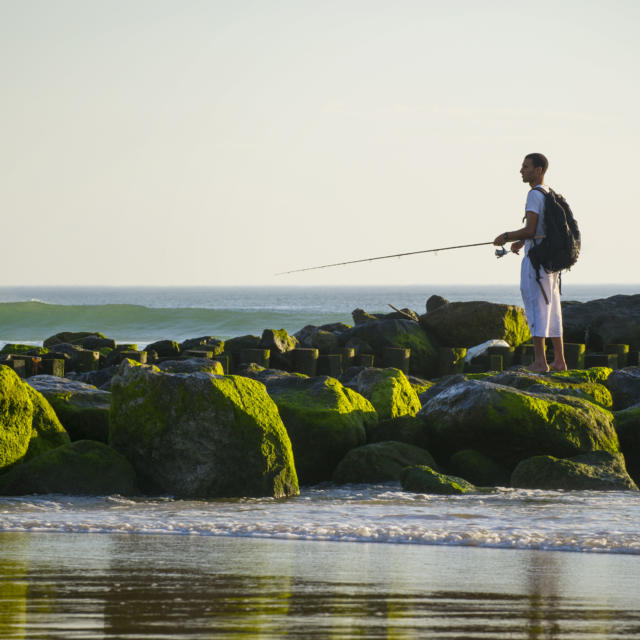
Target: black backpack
x=560 y=247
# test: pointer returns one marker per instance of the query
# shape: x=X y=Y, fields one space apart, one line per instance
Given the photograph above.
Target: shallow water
x=125 y=586
x=585 y=521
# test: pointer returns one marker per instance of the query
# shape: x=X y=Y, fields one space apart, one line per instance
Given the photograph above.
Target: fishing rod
x=499 y=254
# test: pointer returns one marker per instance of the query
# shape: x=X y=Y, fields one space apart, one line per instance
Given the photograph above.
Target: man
x=544 y=319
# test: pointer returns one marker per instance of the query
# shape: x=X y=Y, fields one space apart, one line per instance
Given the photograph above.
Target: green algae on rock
x=201 y=435
x=509 y=425
x=466 y=324
x=84 y=467
x=389 y=392
x=423 y=479
x=627 y=424
x=28 y=424
x=595 y=471
x=380 y=462
x=81 y=408
x=324 y=420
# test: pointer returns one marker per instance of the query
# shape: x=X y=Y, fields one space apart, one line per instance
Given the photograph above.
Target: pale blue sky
x=209 y=143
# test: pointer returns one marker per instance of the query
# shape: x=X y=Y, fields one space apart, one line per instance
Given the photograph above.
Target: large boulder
x=72 y=337
x=82 y=409
x=596 y=471
x=84 y=467
x=509 y=425
x=200 y=435
x=564 y=384
x=465 y=324
x=627 y=423
x=28 y=424
x=424 y=479
x=324 y=420
x=624 y=385
x=192 y=365
x=397 y=333
x=614 y=320
x=380 y=462
x=389 y=392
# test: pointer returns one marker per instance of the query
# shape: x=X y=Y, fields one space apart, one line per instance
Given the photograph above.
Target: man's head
x=534 y=166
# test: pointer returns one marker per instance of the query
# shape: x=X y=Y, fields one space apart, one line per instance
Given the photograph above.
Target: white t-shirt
x=535 y=203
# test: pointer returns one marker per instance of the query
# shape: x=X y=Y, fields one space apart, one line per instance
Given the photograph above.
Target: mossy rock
x=423 y=479
x=420 y=385
x=23 y=349
x=595 y=471
x=478 y=469
x=509 y=425
x=82 y=409
x=380 y=462
x=84 y=467
x=165 y=348
x=207 y=343
x=324 y=420
x=466 y=324
x=71 y=337
x=579 y=387
x=277 y=341
x=200 y=435
x=28 y=424
x=389 y=392
x=627 y=424
x=624 y=385
x=191 y=365
x=397 y=333
x=407 y=428
x=593 y=374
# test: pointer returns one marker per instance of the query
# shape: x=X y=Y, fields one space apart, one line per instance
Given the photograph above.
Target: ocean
x=353 y=561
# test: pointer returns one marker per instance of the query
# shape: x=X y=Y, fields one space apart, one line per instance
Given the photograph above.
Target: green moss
x=423 y=479
x=594 y=374
x=391 y=394
x=46 y=430
x=420 y=386
x=80 y=468
x=27 y=349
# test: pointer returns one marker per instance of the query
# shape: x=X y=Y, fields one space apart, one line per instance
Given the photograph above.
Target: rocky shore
x=439 y=401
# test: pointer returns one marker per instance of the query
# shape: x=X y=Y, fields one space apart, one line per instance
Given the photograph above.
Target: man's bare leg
x=539 y=364
x=558 y=363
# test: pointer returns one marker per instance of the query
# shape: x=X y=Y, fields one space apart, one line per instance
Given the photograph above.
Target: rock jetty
x=439 y=402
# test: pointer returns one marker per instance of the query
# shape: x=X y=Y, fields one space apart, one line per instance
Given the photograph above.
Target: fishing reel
x=501 y=252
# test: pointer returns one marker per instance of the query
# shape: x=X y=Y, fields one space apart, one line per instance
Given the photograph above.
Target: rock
x=614 y=320
x=191 y=365
x=398 y=333
x=465 y=324
x=200 y=435
x=379 y=462
x=435 y=302
x=82 y=409
x=324 y=420
x=595 y=471
x=551 y=383
x=208 y=343
x=100 y=378
x=423 y=479
x=420 y=385
x=165 y=348
x=627 y=423
x=277 y=340
x=509 y=425
x=360 y=316
x=84 y=467
x=71 y=337
x=28 y=424
x=96 y=343
x=389 y=392
x=26 y=349
x=478 y=469
x=624 y=385
x=407 y=428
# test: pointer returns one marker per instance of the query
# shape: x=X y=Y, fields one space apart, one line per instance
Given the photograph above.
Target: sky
x=188 y=142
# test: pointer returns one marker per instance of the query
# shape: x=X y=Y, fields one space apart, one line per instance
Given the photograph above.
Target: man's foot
x=558 y=367
x=537 y=368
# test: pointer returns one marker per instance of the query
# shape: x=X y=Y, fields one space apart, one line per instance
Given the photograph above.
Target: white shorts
x=545 y=320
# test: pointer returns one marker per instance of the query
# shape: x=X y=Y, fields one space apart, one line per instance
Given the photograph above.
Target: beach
x=119 y=586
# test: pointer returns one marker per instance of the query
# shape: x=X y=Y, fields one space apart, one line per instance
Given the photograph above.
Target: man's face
x=528 y=171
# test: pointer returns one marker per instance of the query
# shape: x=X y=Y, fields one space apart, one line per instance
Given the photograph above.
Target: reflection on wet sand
x=177 y=587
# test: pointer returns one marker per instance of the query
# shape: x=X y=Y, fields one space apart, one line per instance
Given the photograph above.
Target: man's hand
x=516 y=246
x=501 y=239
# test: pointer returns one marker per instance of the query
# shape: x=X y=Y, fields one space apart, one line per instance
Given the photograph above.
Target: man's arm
x=528 y=231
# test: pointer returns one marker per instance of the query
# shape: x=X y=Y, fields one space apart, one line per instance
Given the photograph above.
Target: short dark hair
x=538 y=161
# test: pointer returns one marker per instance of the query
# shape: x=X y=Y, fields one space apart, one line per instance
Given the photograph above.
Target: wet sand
x=175 y=587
